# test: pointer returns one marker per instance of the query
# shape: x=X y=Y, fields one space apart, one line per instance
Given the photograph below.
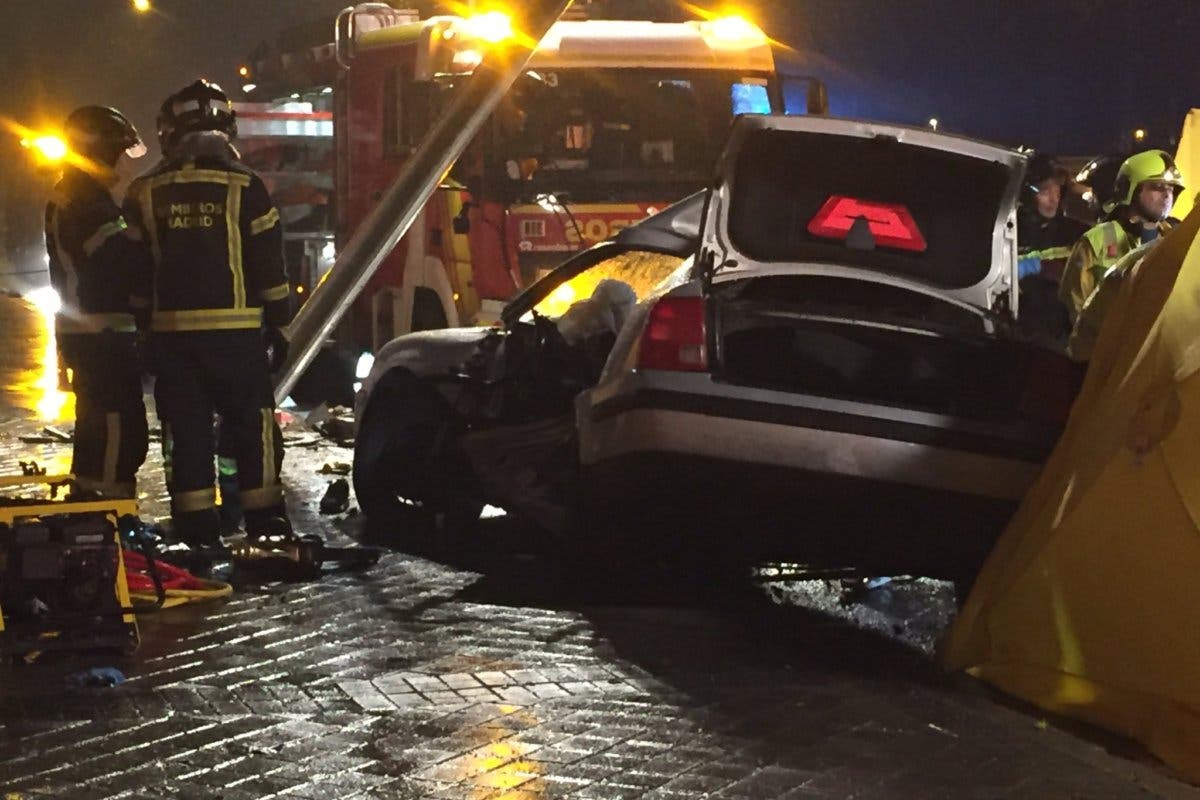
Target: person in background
x=1045 y=237
x=95 y=263
x=1145 y=191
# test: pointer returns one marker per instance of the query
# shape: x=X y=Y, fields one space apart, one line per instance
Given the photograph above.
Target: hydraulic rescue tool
x=297 y=557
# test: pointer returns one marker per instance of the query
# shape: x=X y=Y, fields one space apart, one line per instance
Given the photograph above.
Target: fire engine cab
x=611 y=121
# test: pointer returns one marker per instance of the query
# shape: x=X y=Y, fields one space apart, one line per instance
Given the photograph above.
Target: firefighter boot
x=198 y=529
x=268 y=524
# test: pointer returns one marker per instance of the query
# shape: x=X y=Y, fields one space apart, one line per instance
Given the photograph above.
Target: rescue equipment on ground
x=75 y=571
x=297 y=557
x=62 y=578
x=177 y=584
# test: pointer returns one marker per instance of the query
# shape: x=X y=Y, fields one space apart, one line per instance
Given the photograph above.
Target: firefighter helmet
x=101 y=133
x=1151 y=165
x=199 y=106
x=1041 y=168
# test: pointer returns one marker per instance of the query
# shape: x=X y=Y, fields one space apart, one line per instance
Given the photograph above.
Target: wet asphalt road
x=509 y=672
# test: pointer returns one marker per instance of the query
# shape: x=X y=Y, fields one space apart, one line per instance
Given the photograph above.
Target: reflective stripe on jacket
x=216 y=242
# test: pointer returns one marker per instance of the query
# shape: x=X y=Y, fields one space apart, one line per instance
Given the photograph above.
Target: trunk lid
x=859 y=199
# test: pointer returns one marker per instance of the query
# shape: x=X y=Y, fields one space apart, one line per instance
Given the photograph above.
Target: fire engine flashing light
x=891 y=224
x=491 y=26
x=736 y=29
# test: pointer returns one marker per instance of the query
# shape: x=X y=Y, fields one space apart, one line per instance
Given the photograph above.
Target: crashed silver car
x=449 y=420
x=821 y=359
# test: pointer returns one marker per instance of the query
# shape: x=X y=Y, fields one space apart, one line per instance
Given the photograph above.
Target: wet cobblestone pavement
x=516 y=677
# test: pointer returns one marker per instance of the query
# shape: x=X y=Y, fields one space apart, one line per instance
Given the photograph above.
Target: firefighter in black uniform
x=95 y=264
x=1045 y=236
x=218 y=299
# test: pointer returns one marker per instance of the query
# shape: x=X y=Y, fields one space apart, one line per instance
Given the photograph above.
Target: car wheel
x=412 y=480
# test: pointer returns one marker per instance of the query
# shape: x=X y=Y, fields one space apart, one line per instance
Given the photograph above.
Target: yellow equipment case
x=62 y=575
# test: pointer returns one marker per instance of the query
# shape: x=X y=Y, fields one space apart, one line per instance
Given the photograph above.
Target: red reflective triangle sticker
x=891 y=223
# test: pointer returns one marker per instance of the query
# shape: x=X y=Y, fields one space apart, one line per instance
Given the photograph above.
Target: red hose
x=137 y=575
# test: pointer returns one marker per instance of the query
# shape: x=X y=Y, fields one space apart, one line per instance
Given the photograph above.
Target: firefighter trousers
x=110 y=416
x=200 y=374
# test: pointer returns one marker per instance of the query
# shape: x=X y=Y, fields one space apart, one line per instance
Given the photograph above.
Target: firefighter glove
x=277 y=348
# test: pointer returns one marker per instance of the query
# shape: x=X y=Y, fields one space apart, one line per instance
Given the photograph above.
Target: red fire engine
x=612 y=120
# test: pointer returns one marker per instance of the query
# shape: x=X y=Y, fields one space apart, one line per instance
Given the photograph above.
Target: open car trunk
x=882 y=345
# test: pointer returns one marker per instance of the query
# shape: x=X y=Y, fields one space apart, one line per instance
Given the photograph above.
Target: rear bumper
x=693 y=417
x=685 y=461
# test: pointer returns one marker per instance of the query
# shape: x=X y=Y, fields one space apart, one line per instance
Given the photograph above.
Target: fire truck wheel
x=412 y=480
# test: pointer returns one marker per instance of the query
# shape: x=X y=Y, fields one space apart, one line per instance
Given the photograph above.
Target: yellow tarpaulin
x=1090 y=603
x=1188 y=161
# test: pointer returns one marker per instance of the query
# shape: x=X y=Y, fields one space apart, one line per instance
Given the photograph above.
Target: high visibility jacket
x=94 y=263
x=1093 y=256
x=1095 y=310
x=216 y=242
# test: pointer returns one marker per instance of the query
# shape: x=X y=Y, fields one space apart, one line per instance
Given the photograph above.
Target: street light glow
x=933 y=123
x=141 y=6
x=48 y=146
x=1139 y=134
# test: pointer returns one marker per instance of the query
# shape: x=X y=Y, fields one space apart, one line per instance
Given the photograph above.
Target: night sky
x=1071 y=76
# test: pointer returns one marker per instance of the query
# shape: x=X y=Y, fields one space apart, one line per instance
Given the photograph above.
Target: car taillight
x=1051 y=386
x=674 y=336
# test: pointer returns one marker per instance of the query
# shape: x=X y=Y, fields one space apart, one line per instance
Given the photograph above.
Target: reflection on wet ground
x=29 y=369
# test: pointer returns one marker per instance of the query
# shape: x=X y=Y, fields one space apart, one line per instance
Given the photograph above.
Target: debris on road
x=337 y=497
x=302 y=441
x=338 y=426
x=57 y=434
x=334 y=468
x=95 y=678
x=49 y=435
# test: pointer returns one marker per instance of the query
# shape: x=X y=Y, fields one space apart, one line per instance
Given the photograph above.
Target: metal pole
x=403 y=201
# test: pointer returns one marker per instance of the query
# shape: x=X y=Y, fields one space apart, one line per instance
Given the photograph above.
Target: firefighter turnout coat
x=1092 y=257
x=95 y=265
x=218 y=278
